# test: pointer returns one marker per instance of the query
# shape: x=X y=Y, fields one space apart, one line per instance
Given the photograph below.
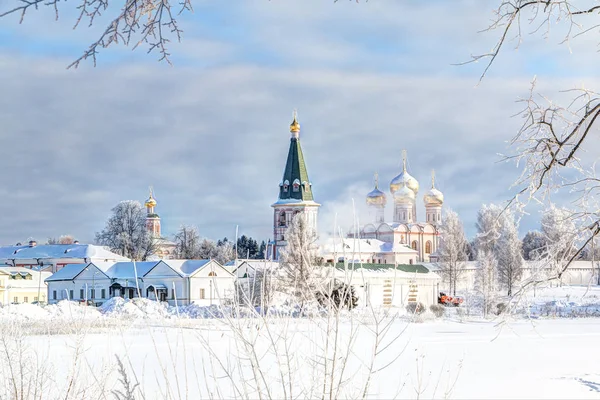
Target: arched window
x=212 y=273
x=414 y=245
x=296 y=185
x=282 y=219
x=410 y=261
x=428 y=247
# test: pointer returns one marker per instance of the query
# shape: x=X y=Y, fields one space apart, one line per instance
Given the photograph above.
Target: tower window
x=428 y=247
x=414 y=245
x=282 y=221
x=296 y=185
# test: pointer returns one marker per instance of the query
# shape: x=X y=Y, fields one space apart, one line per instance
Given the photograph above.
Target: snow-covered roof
x=58 y=251
x=67 y=273
x=9 y=270
x=187 y=267
x=127 y=269
x=258 y=264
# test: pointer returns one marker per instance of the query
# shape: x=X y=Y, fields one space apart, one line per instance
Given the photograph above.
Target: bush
x=415 y=308
x=500 y=308
x=438 y=310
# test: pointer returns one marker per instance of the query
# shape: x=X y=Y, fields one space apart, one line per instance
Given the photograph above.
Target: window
x=81 y=294
x=54 y=295
x=103 y=293
x=428 y=247
x=70 y=295
x=414 y=245
x=25 y=299
x=28 y=277
x=93 y=293
x=410 y=261
x=212 y=273
x=296 y=186
x=35 y=299
x=16 y=299
x=282 y=221
x=285 y=188
x=202 y=294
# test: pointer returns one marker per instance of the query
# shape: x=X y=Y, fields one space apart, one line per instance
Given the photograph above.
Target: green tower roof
x=295 y=172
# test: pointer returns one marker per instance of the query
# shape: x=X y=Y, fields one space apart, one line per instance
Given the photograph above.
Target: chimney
x=32 y=243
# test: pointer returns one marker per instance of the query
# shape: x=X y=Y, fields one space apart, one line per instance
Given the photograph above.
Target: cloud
x=211 y=134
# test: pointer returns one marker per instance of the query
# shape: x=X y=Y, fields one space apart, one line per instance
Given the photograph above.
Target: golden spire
x=295 y=126
x=404 y=160
x=376 y=180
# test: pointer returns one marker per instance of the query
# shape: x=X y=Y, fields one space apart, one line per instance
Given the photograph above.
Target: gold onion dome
x=404 y=195
x=376 y=196
x=295 y=125
x=150 y=202
x=404 y=179
x=433 y=197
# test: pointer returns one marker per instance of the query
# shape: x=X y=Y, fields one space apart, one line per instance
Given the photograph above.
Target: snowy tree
x=299 y=263
x=561 y=237
x=187 y=241
x=485 y=278
x=225 y=252
x=125 y=232
x=533 y=245
x=488 y=228
x=553 y=140
x=453 y=249
x=63 y=239
x=508 y=253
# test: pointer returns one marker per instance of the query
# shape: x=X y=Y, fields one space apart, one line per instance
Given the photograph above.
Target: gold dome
x=151 y=202
x=433 y=197
x=376 y=196
x=404 y=179
x=404 y=195
x=295 y=125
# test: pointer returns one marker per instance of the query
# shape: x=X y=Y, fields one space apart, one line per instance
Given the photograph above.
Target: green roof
x=412 y=268
x=295 y=168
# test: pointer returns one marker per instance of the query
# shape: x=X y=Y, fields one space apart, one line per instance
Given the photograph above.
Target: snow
x=180 y=352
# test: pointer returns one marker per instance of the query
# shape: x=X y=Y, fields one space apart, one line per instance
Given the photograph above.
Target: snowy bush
x=500 y=308
x=415 y=308
x=438 y=310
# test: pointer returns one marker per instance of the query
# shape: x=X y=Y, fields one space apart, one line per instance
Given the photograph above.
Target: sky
x=210 y=133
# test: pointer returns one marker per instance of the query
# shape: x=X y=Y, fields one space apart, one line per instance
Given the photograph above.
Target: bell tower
x=295 y=194
x=152 y=219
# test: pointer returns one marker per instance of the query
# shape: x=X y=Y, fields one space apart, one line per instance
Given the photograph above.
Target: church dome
x=404 y=195
x=404 y=179
x=433 y=197
x=150 y=202
x=376 y=197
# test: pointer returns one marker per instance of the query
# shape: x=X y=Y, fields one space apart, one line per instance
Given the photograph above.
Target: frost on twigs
x=149 y=23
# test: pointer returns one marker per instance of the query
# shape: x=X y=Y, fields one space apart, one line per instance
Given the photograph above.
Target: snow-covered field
x=185 y=357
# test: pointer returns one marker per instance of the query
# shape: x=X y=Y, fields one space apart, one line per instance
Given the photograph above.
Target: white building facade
x=22 y=285
x=203 y=282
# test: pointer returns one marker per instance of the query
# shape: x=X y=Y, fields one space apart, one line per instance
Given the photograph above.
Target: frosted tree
x=187 y=241
x=488 y=228
x=561 y=237
x=453 y=250
x=533 y=245
x=552 y=143
x=225 y=252
x=485 y=278
x=508 y=253
x=125 y=232
x=300 y=266
x=63 y=239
